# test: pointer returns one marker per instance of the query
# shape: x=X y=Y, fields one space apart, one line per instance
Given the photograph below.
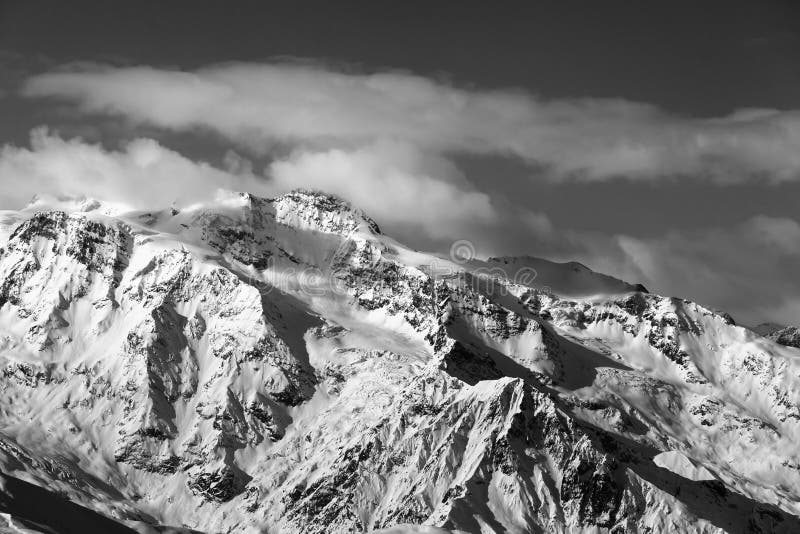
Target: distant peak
x=568 y=278
x=302 y=208
x=574 y=265
x=320 y=199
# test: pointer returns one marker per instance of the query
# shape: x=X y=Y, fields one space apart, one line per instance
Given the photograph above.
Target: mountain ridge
x=280 y=365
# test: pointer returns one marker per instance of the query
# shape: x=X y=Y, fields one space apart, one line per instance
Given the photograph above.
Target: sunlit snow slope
x=279 y=365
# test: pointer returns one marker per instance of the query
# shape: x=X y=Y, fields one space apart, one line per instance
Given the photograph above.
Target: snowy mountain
x=280 y=365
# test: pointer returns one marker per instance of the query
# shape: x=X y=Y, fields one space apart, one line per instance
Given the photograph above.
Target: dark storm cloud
x=256 y=105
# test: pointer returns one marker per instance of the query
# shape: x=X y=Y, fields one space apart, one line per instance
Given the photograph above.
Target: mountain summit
x=280 y=365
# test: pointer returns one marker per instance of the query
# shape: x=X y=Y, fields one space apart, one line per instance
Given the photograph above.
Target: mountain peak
x=325 y=208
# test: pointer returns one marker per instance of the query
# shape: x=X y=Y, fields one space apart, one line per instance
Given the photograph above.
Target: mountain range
x=282 y=366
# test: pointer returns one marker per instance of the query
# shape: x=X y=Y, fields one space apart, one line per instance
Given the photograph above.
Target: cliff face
x=279 y=365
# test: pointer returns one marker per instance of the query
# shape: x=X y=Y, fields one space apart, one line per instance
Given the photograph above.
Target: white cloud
x=413 y=192
x=141 y=174
x=395 y=183
x=256 y=105
x=749 y=269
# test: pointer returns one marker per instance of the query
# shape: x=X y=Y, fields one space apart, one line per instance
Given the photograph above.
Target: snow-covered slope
x=279 y=365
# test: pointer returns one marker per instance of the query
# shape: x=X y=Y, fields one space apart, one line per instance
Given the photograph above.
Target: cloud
x=258 y=105
x=141 y=174
x=749 y=269
x=412 y=192
x=396 y=183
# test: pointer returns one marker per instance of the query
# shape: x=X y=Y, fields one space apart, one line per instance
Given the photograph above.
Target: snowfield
x=280 y=366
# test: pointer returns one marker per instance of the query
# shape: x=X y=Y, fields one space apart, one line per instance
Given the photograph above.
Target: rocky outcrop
x=789 y=336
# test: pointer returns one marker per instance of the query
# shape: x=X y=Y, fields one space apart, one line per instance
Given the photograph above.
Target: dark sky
x=689 y=58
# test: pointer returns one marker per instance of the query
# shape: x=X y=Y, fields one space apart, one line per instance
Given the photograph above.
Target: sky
x=655 y=141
